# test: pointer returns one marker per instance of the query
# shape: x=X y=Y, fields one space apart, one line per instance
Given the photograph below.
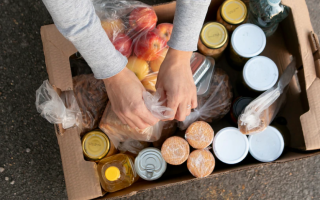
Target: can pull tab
x=150 y=169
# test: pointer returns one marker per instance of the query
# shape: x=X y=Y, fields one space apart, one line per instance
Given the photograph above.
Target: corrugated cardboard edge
x=78 y=172
x=310 y=120
x=57 y=51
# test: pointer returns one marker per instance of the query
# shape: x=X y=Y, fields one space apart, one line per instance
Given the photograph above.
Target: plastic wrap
x=119 y=132
x=132 y=146
x=201 y=163
x=199 y=135
x=213 y=105
x=58 y=110
x=257 y=116
x=175 y=150
x=169 y=128
x=92 y=98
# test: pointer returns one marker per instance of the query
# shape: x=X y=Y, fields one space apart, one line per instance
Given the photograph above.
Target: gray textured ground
x=30 y=165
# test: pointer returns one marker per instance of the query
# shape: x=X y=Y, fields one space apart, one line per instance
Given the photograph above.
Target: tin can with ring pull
x=149 y=164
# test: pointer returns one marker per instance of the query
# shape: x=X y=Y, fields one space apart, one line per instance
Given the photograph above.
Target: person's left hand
x=175 y=78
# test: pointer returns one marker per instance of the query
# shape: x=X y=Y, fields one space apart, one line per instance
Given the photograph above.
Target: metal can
x=232 y=13
x=96 y=145
x=230 y=145
x=213 y=39
x=239 y=104
x=267 y=145
x=260 y=74
x=149 y=164
x=247 y=41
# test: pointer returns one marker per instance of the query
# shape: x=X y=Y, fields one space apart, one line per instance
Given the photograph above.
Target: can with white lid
x=230 y=145
x=260 y=74
x=247 y=41
x=267 y=145
x=149 y=164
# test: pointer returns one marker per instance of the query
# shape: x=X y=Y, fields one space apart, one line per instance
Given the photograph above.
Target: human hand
x=125 y=94
x=175 y=77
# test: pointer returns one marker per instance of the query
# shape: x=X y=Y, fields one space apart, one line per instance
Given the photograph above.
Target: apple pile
x=137 y=37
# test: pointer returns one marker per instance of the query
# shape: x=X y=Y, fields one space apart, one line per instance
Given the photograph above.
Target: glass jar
x=96 y=145
x=232 y=13
x=117 y=172
x=247 y=41
x=260 y=74
x=213 y=39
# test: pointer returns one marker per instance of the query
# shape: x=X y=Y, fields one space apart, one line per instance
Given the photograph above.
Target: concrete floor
x=30 y=165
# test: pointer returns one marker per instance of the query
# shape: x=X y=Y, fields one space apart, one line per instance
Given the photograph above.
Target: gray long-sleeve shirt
x=78 y=22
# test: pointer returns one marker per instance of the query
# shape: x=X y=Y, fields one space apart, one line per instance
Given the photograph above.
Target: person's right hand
x=125 y=94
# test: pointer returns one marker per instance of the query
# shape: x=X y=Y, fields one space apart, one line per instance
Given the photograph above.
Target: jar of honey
x=213 y=39
x=232 y=13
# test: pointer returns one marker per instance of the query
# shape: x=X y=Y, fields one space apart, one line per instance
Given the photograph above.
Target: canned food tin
x=96 y=145
x=149 y=164
x=267 y=145
x=230 y=145
x=247 y=41
x=232 y=13
x=260 y=74
x=213 y=39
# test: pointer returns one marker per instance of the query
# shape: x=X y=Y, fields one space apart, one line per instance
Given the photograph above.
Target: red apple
x=123 y=44
x=143 y=19
x=113 y=27
x=149 y=46
x=165 y=30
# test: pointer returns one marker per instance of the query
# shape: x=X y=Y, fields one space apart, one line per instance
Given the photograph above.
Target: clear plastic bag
x=119 y=132
x=169 y=128
x=213 y=105
x=201 y=163
x=58 y=110
x=132 y=146
x=257 y=116
x=92 y=98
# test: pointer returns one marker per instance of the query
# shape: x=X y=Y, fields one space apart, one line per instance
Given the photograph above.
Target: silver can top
x=149 y=164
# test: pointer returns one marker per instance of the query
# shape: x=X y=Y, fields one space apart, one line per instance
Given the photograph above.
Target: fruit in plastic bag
x=149 y=82
x=123 y=44
x=148 y=47
x=156 y=64
x=143 y=19
x=201 y=163
x=165 y=30
x=113 y=27
x=138 y=66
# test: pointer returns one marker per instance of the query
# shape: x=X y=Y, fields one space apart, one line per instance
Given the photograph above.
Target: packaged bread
x=201 y=163
x=199 y=135
x=175 y=150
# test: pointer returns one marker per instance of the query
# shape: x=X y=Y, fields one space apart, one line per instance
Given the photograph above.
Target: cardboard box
x=294 y=37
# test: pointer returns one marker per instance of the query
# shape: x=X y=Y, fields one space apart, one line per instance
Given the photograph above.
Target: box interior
x=302 y=109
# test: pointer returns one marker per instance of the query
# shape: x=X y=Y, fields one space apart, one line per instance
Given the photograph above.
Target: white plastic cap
x=248 y=40
x=230 y=145
x=260 y=73
x=273 y=2
x=267 y=145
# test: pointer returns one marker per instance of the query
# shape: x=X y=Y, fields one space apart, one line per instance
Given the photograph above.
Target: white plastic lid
x=149 y=164
x=267 y=145
x=260 y=73
x=230 y=145
x=248 y=40
x=273 y=2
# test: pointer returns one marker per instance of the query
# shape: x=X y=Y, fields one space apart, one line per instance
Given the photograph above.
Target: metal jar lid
x=214 y=35
x=95 y=145
x=234 y=11
x=149 y=164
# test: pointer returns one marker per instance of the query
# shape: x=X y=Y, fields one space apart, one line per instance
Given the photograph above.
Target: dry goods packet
x=257 y=116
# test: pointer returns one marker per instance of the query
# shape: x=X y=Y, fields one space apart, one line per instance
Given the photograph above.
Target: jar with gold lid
x=232 y=13
x=96 y=145
x=213 y=39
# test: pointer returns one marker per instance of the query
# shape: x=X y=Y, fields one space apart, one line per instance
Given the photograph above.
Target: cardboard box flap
x=81 y=176
x=57 y=50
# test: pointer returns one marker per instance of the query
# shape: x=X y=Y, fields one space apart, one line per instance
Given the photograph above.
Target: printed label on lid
x=234 y=12
x=214 y=35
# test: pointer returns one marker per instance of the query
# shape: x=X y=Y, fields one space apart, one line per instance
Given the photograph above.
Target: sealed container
x=205 y=81
x=247 y=41
x=201 y=163
x=260 y=74
x=213 y=39
x=199 y=66
x=149 y=164
x=117 y=172
x=267 y=145
x=239 y=104
x=96 y=145
x=230 y=145
x=175 y=150
x=232 y=13
x=199 y=135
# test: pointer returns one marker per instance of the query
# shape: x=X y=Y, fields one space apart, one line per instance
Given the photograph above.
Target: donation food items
x=201 y=163
x=175 y=150
x=199 y=135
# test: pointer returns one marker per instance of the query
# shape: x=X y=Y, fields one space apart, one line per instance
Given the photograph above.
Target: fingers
x=183 y=110
x=194 y=102
x=172 y=103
